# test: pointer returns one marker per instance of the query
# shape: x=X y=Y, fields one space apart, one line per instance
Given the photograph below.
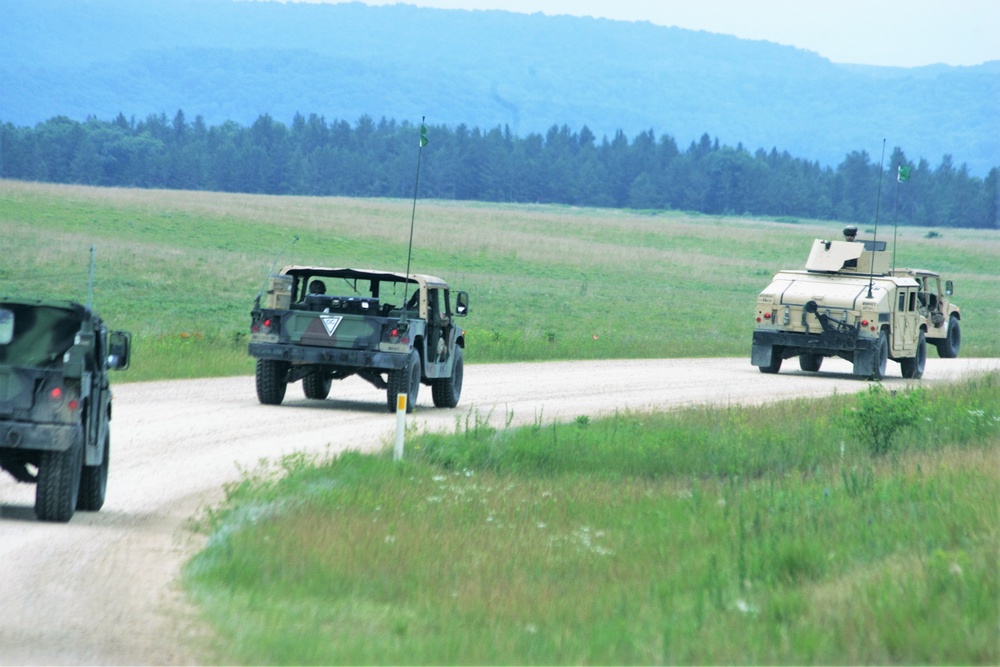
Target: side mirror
x=119 y=350
x=949 y=288
x=462 y=304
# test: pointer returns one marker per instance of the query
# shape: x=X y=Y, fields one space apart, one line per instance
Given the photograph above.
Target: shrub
x=879 y=415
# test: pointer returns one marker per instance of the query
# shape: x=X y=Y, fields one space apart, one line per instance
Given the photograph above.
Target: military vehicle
x=55 y=401
x=394 y=330
x=942 y=317
x=847 y=303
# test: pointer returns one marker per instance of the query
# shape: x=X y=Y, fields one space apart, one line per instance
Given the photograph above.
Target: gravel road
x=104 y=589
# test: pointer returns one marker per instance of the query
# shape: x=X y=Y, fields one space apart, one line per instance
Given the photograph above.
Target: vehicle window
x=40 y=335
x=6 y=326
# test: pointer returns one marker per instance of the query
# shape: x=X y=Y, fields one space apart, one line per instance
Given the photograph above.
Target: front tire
x=94 y=482
x=405 y=380
x=447 y=391
x=913 y=368
x=272 y=380
x=316 y=385
x=952 y=343
x=59 y=484
x=810 y=362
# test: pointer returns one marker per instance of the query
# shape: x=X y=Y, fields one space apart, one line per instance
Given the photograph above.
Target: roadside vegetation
x=784 y=534
x=180 y=269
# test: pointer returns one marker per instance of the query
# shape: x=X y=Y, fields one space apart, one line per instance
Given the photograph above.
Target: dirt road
x=103 y=589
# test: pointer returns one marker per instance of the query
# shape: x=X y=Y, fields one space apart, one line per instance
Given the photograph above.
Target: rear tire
x=272 y=380
x=881 y=353
x=810 y=362
x=913 y=368
x=316 y=385
x=405 y=380
x=447 y=391
x=59 y=483
x=94 y=482
x=952 y=343
x=775 y=364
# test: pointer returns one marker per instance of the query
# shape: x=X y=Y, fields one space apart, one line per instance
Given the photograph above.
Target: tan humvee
x=848 y=303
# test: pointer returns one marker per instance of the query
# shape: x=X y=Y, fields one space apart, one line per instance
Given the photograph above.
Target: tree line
x=378 y=159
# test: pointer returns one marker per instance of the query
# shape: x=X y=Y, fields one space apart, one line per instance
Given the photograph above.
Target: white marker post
x=400 y=425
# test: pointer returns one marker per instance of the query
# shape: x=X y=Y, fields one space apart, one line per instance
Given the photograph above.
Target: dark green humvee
x=396 y=331
x=55 y=401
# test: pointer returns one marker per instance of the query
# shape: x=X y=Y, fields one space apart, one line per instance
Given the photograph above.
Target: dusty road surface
x=103 y=589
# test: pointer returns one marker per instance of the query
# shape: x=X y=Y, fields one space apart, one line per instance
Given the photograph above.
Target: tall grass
x=547 y=282
x=739 y=535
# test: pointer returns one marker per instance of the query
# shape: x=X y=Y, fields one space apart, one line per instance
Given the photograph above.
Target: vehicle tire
x=405 y=379
x=881 y=356
x=810 y=362
x=775 y=364
x=447 y=391
x=913 y=368
x=316 y=385
x=94 y=482
x=59 y=483
x=271 y=381
x=952 y=343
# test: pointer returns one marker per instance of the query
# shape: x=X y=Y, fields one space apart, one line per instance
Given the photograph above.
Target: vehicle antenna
x=90 y=281
x=271 y=271
x=878 y=199
x=902 y=176
x=413 y=215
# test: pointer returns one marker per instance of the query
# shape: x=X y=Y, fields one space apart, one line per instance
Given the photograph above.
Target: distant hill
x=227 y=60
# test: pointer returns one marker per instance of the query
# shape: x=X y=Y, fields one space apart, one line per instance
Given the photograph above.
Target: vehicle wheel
x=316 y=385
x=810 y=362
x=952 y=343
x=59 y=483
x=775 y=364
x=913 y=368
x=447 y=391
x=271 y=381
x=94 y=482
x=881 y=356
x=406 y=379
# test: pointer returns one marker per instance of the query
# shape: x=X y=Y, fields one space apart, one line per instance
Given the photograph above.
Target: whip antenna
x=413 y=215
x=878 y=199
x=90 y=281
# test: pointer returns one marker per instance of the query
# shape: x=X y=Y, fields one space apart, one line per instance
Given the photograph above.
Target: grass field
x=180 y=269
x=766 y=535
x=779 y=534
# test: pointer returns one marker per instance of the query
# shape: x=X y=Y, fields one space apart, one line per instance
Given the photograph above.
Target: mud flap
x=761 y=353
x=865 y=358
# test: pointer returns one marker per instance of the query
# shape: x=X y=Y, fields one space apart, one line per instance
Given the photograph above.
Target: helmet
x=850 y=230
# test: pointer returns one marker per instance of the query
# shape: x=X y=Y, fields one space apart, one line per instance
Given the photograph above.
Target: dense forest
x=564 y=166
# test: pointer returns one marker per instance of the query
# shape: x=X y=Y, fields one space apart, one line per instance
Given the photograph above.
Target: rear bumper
x=790 y=344
x=30 y=435
x=330 y=356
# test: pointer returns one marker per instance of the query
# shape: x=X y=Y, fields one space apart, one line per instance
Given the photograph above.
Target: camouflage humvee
x=396 y=331
x=848 y=303
x=55 y=401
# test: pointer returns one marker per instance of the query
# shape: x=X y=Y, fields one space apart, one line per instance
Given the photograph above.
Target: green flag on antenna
x=903 y=174
x=423 y=135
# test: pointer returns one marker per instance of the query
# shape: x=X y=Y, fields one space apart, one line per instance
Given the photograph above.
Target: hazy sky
x=904 y=33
